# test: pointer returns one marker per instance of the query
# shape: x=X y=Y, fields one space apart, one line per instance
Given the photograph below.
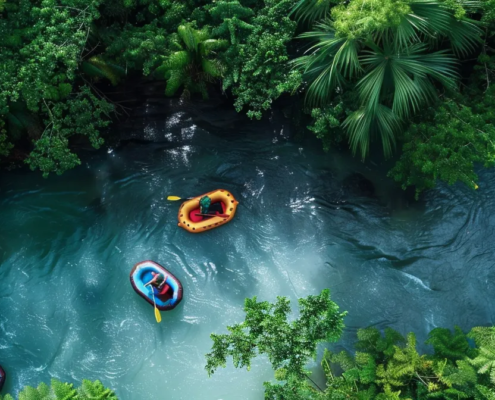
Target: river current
x=68 y=243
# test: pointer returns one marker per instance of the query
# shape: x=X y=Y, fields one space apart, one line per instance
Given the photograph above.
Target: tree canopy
x=368 y=70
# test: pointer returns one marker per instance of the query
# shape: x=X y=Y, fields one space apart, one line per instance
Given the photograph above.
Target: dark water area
x=306 y=220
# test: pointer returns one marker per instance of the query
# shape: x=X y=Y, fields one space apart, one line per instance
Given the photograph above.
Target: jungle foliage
x=413 y=75
x=384 y=366
x=395 y=59
x=288 y=345
x=64 y=391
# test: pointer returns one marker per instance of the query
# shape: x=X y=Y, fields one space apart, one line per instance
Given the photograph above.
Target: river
x=68 y=243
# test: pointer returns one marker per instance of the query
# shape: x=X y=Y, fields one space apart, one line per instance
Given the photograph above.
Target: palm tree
x=392 y=67
x=192 y=66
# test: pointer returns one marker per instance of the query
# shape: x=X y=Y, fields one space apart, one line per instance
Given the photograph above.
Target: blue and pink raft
x=168 y=297
x=2 y=377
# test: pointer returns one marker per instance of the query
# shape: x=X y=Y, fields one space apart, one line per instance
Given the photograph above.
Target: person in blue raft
x=158 y=281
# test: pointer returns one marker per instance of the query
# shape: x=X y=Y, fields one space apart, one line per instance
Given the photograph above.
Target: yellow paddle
x=158 y=317
x=175 y=198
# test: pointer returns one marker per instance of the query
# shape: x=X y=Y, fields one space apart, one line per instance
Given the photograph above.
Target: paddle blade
x=158 y=317
x=213 y=215
x=173 y=198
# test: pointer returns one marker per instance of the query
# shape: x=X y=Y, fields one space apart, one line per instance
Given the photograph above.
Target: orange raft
x=195 y=223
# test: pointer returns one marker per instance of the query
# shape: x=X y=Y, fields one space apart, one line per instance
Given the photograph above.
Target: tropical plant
x=260 y=73
x=288 y=345
x=193 y=66
x=446 y=145
x=485 y=359
x=65 y=391
x=389 y=368
x=79 y=115
x=385 y=366
x=450 y=345
x=231 y=23
x=309 y=11
x=383 y=48
x=138 y=48
x=43 y=99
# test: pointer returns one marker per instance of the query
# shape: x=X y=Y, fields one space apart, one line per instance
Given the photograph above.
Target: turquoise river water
x=68 y=243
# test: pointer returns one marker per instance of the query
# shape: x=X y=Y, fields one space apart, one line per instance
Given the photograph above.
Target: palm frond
x=388 y=125
x=358 y=126
x=201 y=35
x=370 y=86
x=431 y=16
x=212 y=67
x=178 y=60
x=437 y=19
x=407 y=32
x=188 y=36
x=330 y=61
x=175 y=81
x=209 y=45
x=442 y=67
x=309 y=11
x=408 y=96
x=464 y=35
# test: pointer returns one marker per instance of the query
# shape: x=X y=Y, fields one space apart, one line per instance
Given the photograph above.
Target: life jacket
x=159 y=280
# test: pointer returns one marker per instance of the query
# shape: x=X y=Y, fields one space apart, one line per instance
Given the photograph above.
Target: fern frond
x=63 y=391
x=486 y=393
x=367 y=372
x=483 y=335
x=40 y=393
x=447 y=345
x=95 y=390
x=462 y=375
x=485 y=361
x=343 y=359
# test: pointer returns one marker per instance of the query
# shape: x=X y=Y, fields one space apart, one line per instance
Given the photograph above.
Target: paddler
x=157 y=281
x=205 y=206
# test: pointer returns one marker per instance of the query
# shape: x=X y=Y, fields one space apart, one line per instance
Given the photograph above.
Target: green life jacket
x=204 y=204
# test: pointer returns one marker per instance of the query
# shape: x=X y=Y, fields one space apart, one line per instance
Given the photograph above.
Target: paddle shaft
x=213 y=215
x=158 y=317
x=176 y=198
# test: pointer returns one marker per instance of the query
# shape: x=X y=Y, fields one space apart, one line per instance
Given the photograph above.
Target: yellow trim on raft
x=210 y=223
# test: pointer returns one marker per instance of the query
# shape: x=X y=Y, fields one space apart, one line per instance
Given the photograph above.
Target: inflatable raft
x=196 y=223
x=2 y=377
x=168 y=297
